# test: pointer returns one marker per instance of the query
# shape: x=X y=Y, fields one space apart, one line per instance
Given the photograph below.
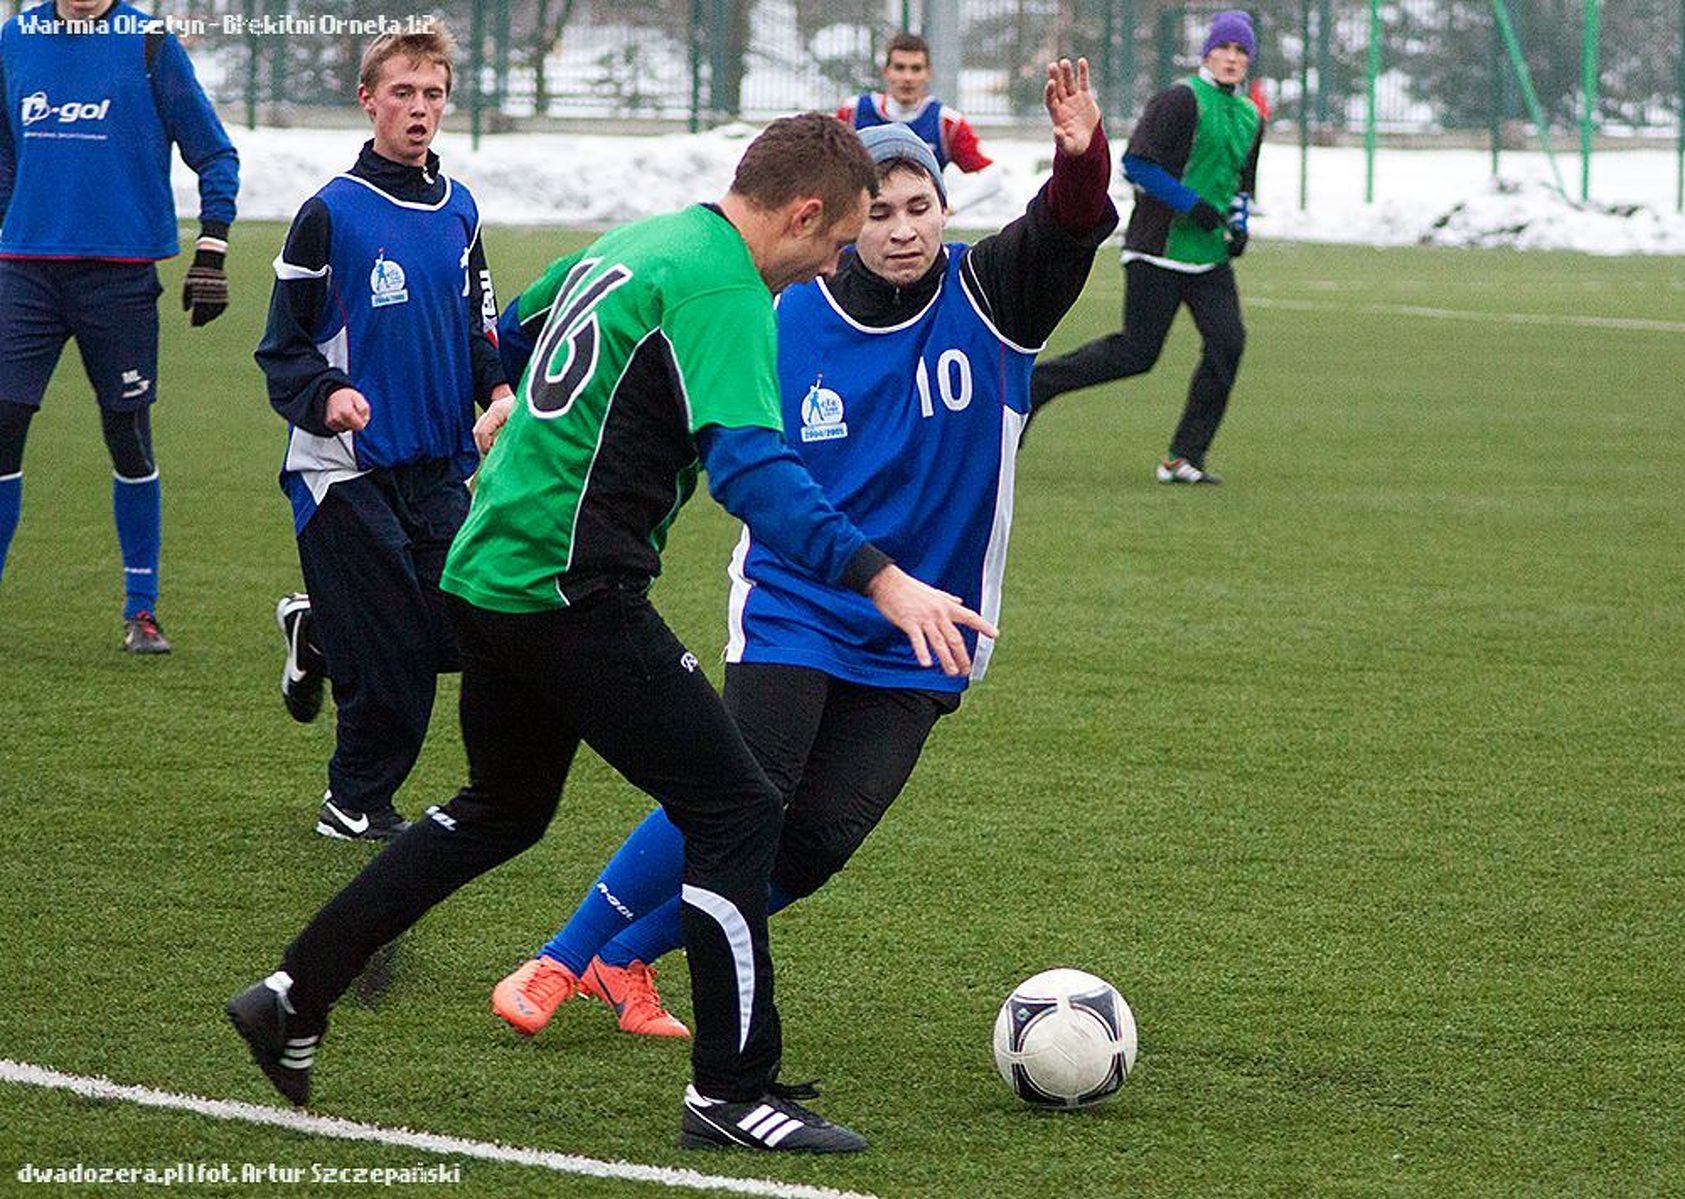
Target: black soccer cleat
x=282 y=1046
x=773 y=1123
x=142 y=634
x=301 y=676
x=344 y=824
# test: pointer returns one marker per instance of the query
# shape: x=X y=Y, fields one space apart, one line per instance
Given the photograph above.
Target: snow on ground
x=1439 y=197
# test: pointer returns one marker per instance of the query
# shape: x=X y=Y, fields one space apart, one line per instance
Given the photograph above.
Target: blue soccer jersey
x=91 y=111
x=927 y=123
x=912 y=431
x=397 y=278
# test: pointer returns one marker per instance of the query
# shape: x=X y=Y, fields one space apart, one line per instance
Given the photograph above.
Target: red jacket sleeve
x=961 y=139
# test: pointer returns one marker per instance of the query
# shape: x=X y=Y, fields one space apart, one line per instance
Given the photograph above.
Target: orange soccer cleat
x=527 y=999
x=630 y=991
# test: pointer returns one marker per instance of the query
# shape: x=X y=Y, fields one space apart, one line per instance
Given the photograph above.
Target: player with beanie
x=905 y=383
x=1193 y=160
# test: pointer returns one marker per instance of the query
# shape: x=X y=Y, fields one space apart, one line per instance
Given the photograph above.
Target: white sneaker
x=1180 y=470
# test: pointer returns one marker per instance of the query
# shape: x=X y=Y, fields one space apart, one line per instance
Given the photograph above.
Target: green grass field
x=1360 y=776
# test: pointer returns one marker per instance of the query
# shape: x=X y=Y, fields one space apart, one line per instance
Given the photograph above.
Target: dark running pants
x=1152 y=294
x=838 y=752
x=371 y=555
x=610 y=674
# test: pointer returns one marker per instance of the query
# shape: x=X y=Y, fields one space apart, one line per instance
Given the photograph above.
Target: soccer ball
x=1064 y=1039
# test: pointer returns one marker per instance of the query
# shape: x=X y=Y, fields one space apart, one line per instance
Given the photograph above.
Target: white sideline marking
x=1628 y=323
x=427 y=1142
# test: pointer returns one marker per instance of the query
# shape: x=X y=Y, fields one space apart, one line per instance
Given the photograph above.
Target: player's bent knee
x=802 y=869
x=128 y=439
x=511 y=821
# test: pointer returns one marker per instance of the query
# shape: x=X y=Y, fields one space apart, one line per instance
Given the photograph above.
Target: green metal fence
x=1442 y=65
x=1499 y=73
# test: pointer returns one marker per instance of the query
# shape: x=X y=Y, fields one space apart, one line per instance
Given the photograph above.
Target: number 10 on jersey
x=953 y=383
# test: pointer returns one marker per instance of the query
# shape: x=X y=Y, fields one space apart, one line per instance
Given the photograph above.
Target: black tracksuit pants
x=371 y=556
x=838 y=752
x=1151 y=296
x=611 y=674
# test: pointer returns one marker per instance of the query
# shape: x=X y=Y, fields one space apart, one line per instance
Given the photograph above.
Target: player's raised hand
x=1071 y=105
x=347 y=410
x=930 y=618
x=493 y=419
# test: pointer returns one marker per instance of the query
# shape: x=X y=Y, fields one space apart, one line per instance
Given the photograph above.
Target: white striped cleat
x=775 y=1123
x=281 y=1044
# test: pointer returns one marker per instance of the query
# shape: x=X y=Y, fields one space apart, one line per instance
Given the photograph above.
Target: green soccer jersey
x=1223 y=139
x=655 y=331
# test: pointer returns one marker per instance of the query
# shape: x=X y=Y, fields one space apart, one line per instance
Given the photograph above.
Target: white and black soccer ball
x=1064 y=1039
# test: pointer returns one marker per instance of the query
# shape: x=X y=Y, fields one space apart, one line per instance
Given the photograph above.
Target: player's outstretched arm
x=1033 y=270
x=931 y=619
x=1071 y=106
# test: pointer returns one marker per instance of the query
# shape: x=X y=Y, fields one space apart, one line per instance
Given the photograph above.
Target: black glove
x=205 y=292
x=1205 y=216
x=1237 y=243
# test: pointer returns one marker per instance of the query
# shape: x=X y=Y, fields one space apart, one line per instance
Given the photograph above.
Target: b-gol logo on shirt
x=386 y=282
x=822 y=413
x=36 y=107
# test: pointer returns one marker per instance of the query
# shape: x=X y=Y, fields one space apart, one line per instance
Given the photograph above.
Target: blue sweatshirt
x=91 y=111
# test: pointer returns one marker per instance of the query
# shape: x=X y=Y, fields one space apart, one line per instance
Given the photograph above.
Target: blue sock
x=649 y=937
x=658 y=933
x=645 y=872
x=11 y=506
x=137 y=508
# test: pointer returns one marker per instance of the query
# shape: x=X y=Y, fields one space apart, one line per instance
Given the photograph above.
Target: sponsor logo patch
x=822 y=413
x=386 y=282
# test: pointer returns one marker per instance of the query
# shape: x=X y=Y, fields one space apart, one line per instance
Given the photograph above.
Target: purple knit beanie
x=1233 y=26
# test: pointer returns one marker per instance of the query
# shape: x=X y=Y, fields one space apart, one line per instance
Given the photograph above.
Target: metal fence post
x=278 y=65
x=695 y=65
x=1324 y=59
x=1588 y=85
x=1371 y=116
x=1304 y=102
x=719 y=46
x=1495 y=87
x=942 y=21
x=500 y=53
x=1525 y=78
x=253 y=48
x=476 y=67
x=1108 y=52
x=1123 y=104
x=1166 y=48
